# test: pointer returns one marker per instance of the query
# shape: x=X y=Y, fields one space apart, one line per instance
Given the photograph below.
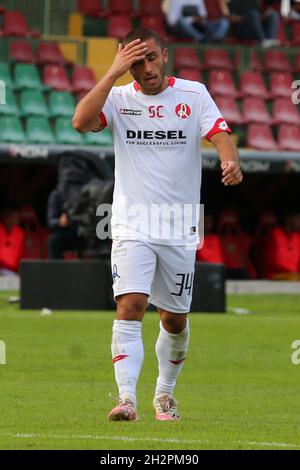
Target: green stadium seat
x=27 y=76
x=103 y=138
x=11 y=106
x=65 y=132
x=61 y=103
x=11 y=130
x=33 y=102
x=5 y=75
x=39 y=130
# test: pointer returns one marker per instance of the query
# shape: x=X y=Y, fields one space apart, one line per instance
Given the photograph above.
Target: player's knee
x=173 y=323
x=131 y=307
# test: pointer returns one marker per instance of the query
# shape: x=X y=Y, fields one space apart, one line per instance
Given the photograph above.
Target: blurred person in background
x=295 y=10
x=11 y=243
x=251 y=22
x=64 y=234
x=211 y=251
x=188 y=19
x=282 y=255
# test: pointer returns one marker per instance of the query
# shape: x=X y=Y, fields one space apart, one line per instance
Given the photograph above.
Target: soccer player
x=156 y=121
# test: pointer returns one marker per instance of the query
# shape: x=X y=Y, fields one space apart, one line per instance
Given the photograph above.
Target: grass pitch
x=238 y=389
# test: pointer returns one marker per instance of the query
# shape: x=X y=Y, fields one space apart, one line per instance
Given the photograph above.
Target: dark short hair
x=144 y=35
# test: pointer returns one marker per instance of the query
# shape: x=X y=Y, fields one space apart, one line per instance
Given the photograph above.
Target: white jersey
x=158 y=159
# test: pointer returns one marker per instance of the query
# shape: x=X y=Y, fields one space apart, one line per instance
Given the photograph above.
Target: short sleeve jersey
x=158 y=159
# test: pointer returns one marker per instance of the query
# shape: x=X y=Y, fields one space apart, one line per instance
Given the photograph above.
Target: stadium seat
x=255 y=64
x=260 y=137
x=38 y=130
x=26 y=76
x=295 y=33
x=156 y=24
x=5 y=75
x=221 y=83
x=217 y=59
x=32 y=102
x=14 y=24
x=10 y=107
x=282 y=36
x=255 y=110
x=289 y=137
x=280 y=84
x=190 y=74
x=296 y=60
x=83 y=79
x=118 y=26
x=121 y=7
x=50 y=53
x=213 y=9
x=252 y=84
x=285 y=112
x=276 y=61
x=61 y=103
x=93 y=8
x=11 y=130
x=232 y=239
x=151 y=8
x=186 y=57
x=103 y=138
x=66 y=134
x=21 y=51
x=229 y=109
x=55 y=76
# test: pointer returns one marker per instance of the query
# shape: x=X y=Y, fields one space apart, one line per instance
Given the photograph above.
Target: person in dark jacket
x=254 y=23
x=64 y=234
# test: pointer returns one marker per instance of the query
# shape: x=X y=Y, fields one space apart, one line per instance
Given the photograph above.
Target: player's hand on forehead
x=127 y=55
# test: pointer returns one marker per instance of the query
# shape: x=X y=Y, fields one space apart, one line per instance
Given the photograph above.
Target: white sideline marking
x=145 y=439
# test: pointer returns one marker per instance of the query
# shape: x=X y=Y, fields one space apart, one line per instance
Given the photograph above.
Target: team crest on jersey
x=183 y=111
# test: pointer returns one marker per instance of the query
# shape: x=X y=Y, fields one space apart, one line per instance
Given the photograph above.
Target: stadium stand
x=61 y=103
x=15 y=24
x=32 y=103
x=49 y=52
x=255 y=110
x=252 y=84
x=11 y=106
x=55 y=76
x=190 y=74
x=289 y=137
x=91 y=8
x=38 y=130
x=121 y=7
x=147 y=8
x=21 y=51
x=285 y=112
x=83 y=79
x=186 y=57
x=27 y=76
x=217 y=59
x=118 y=26
x=260 y=137
x=229 y=109
x=221 y=83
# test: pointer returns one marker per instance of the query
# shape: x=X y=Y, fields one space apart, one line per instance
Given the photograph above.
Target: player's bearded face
x=150 y=72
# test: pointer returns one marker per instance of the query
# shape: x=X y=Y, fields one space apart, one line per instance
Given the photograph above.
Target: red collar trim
x=171 y=82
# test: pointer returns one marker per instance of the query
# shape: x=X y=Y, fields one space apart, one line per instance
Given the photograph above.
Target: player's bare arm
x=229 y=157
x=86 y=116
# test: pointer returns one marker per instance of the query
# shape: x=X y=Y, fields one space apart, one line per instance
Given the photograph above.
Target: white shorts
x=163 y=272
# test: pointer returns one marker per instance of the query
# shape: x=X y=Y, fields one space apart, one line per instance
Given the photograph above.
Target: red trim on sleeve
x=219 y=126
x=103 y=124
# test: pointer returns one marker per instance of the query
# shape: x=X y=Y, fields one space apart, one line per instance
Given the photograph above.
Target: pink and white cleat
x=166 y=408
x=124 y=411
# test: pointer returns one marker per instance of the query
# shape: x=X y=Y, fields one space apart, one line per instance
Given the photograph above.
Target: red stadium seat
x=186 y=57
x=151 y=8
x=221 y=83
x=229 y=109
x=296 y=60
x=190 y=74
x=2 y=9
x=49 y=52
x=252 y=84
x=91 y=8
x=295 y=33
x=21 y=51
x=14 y=24
x=282 y=36
x=282 y=253
x=217 y=59
x=83 y=79
x=276 y=61
x=156 y=24
x=280 y=84
x=260 y=137
x=289 y=137
x=213 y=9
x=55 y=76
x=255 y=64
x=285 y=112
x=121 y=7
x=255 y=110
x=118 y=26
